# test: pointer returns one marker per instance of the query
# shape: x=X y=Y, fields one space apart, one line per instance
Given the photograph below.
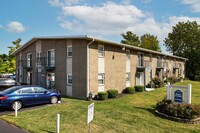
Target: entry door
x=29 y=78
x=141 y=78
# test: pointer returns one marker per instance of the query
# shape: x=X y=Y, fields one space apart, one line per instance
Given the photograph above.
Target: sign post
x=16 y=108
x=90 y=115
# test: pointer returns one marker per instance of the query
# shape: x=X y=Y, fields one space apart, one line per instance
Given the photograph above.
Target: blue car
x=26 y=96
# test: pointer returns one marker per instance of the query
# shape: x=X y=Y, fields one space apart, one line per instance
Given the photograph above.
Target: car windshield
x=10 y=90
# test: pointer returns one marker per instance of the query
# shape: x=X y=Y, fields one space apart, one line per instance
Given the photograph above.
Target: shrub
x=129 y=90
x=112 y=93
x=186 y=111
x=158 y=83
x=102 y=95
x=149 y=85
x=139 y=88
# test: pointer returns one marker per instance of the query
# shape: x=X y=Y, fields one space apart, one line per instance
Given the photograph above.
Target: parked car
x=26 y=96
x=7 y=82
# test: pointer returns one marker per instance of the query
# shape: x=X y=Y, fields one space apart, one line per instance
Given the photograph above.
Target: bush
x=102 y=95
x=186 y=111
x=112 y=93
x=157 y=82
x=129 y=90
x=139 y=88
x=149 y=85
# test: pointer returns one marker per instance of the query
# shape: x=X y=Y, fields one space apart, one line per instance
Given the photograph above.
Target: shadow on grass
x=150 y=109
x=48 y=131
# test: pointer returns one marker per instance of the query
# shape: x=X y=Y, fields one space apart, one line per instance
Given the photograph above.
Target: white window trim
x=103 y=79
x=128 y=57
x=69 y=74
x=103 y=50
x=29 y=60
x=68 y=50
x=128 y=81
x=51 y=58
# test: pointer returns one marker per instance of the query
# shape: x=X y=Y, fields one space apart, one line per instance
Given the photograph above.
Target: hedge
x=129 y=90
x=112 y=93
x=102 y=95
x=139 y=88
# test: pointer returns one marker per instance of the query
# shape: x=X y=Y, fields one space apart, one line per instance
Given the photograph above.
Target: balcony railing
x=144 y=63
x=48 y=63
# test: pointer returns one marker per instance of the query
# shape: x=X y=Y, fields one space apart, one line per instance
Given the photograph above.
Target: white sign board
x=179 y=94
x=90 y=113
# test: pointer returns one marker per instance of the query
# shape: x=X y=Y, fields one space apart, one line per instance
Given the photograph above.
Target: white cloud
x=195 y=4
x=112 y=19
x=63 y=2
x=15 y=27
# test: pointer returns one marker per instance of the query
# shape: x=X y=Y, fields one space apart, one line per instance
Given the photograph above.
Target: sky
x=105 y=19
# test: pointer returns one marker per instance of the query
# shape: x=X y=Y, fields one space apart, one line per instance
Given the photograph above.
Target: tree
x=130 y=39
x=150 y=42
x=8 y=62
x=184 y=40
x=146 y=41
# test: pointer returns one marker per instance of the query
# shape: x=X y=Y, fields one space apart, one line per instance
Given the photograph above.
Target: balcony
x=27 y=64
x=48 y=63
x=144 y=63
x=161 y=64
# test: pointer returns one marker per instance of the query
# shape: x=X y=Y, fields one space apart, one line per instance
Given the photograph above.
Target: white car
x=7 y=82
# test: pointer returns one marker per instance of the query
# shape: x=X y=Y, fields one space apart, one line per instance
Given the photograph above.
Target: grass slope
x=128 y=114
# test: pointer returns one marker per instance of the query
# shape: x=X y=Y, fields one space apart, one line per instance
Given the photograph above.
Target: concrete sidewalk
x=8 y=128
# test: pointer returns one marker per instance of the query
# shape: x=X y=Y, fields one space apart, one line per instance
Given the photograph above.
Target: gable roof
x=95 y=39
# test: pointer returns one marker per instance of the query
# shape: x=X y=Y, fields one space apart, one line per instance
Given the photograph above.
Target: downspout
x=88 y=68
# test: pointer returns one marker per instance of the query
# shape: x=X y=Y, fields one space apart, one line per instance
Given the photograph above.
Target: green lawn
x=130 y=113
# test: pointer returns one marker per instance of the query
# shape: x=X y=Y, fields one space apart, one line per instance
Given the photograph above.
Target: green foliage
x=129 y=90
x=112 y=93
x=186 y=111
x=150 y=42
x=157 y=82
x=146 y=41
x=139 y=88
x=184 y=40
x=130 y=39
x=8 y=62
x=102 y=95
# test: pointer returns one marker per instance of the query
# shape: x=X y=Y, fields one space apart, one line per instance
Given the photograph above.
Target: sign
x=90 y=113
x=178 y=96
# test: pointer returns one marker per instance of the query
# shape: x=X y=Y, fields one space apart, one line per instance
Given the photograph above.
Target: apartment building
x=78 y=65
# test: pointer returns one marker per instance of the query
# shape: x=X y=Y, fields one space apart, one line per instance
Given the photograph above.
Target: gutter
x=88 y=68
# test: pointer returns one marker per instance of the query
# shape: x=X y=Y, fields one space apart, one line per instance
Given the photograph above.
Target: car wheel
x=19 y=105
x=54 y=99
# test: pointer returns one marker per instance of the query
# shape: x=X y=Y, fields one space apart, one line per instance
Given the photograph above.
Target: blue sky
x=101 y=18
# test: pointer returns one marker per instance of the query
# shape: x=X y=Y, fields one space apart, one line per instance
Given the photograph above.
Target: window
x=38 y=58
x=101 y=50
x=39 y=90
x=128 y=54
x=69 y=51
x=29 y=60
x=159 y=62
x=140 y=59
x=27 y=90
x=51 y=58
x=128 y=77
x=69 y=79
x=101 y=78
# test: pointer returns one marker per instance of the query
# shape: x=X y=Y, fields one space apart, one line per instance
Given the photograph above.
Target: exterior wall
x=79 y=70
x=93 y=70
x=60 y=63
x=114 y=65
x=115 y=68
